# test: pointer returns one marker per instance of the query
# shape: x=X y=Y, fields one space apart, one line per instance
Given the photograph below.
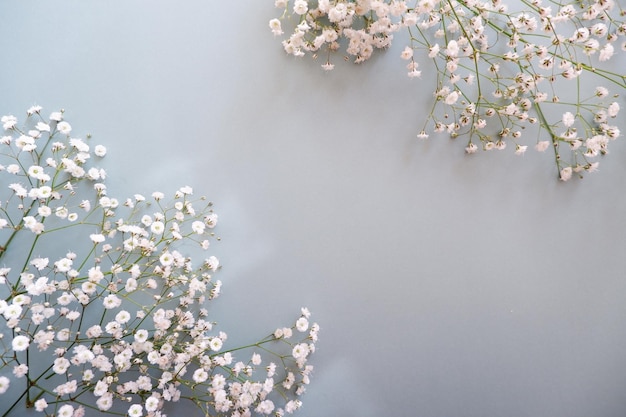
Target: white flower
x=93 y=174
x=100 y=388
x=471 y=148
x=613 y=109
x=276 y=27
x=122 y=317
x=37 y=172
x=83 y=355
x=4 y=384
x=152 y=403
x=300 y=351
x=21 y=192
x=8 y=122
x=414 y=73
x=215 y=344
x=300 y=7
x=200 y=375
x=141 y=335
x=265 y=407
x=20 y=370
x=520 y=149
x=61 y=212
x=157 y=227
x=33 y=109
x=452 y=49
x=568 y=119
x=135 y=410
x=95 y=274
x=20 y=343
x=198 y=227
x=302 y=324
x=211 y=220
x=97 y=238
x=131 y=285
x=61 y=365
x=105 y=402
x=292 y=406
x=451 y=98
x=79 y=144
x=64 y=127
x=111 y=301
x=212 y=263
x=43 y=127
x=407 y=53
x=63 y=265
x=480 y=124
x=433 y=51
x=256 y=359
x=68 y=388
x=566 y=174
x=66 y=411
x=186 y=190
x=146 y=220
x=25 y=143
x=542 y=145
x=41 y=404
x=601 y=92
x=12 y=311
x=606 y=52
x=166 y=259
x=100 y=151
x=73 y=315
x=63 y=335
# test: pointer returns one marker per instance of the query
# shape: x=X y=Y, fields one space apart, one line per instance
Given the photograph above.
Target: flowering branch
x=499 y=71
x=102 y=310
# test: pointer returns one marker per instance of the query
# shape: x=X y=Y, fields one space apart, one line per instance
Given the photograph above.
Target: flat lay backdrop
x=445 y=285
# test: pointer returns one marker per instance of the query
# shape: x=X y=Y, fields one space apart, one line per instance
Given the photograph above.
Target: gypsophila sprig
x=101 y=308
x=502 y=68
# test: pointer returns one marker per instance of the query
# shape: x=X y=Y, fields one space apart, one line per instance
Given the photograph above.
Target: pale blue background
x=445 y=285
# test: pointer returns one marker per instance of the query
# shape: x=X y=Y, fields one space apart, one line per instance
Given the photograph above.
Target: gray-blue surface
x=445 y=285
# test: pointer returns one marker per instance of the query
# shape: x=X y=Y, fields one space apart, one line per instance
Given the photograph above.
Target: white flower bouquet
x=102 y=312
x=501 y=68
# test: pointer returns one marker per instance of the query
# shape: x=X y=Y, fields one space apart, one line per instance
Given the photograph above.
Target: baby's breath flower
x=513 y=74
x=50 y=305
x=20 y=343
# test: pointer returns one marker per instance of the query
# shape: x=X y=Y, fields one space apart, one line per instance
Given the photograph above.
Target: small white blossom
x=41 y=404
x=300 y=7
x=302 y=324
x=4 y=384
x=135 y=410
x=568 y=119
x=542 y=145
x=100 y=151
x=66 y=410
x=566 y=173
x=20 y=343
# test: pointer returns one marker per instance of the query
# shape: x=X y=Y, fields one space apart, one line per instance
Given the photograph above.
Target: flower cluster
x=500 y=72
x=100 y=308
